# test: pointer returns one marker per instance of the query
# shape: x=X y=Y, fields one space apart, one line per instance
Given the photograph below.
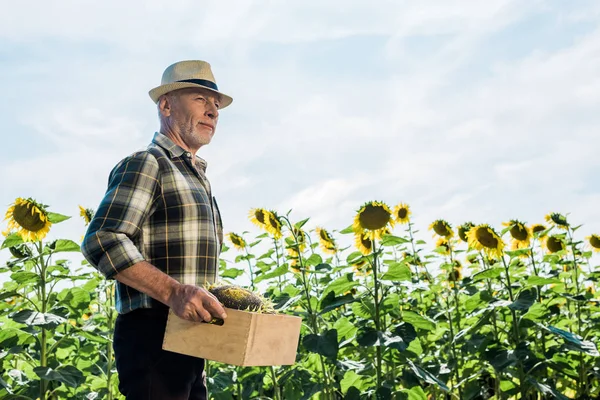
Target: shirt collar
x=174 y=150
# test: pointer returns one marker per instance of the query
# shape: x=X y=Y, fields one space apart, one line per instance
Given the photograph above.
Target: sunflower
x=558 y=220
x=520 y=233
x=537 y=229
x=299 y=237
x=87 y=214
x=362 y=267
x=483 y=237
x=554 y=243
x=364 y=243
x=594 y=241
x=444 y=244
x=463 y=230
x=402 y=213
x=29 y=218
x=456 y=274
x=294 y=259
x=237 y=241
x=272 y=224
x=442 y=228
x=326 y=241
x=257 y=217
x=374 y=217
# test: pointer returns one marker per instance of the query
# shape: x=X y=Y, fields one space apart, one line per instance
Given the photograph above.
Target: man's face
x=193 y=114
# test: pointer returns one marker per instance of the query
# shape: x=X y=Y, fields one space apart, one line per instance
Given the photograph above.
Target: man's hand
x=195 y=304
x=187 y=301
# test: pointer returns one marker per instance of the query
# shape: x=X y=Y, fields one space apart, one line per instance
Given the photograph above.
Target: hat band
x=202 y=82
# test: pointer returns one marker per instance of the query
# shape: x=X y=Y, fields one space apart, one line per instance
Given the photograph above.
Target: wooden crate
x=244 y=339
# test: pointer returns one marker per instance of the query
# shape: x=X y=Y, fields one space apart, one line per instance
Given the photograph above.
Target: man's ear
x=164 y=105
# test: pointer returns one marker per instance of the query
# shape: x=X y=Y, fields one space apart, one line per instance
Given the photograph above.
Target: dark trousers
x=146 y=372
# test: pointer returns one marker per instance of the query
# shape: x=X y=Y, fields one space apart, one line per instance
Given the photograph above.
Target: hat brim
x=169 y=87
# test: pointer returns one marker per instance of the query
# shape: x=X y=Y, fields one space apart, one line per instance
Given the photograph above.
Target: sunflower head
x=537 y=229
x=555 y=243
x=456 y=274
x=362 y=267
x=257 y=217
x=237 y=241
x=326 y=241
x=29 y=219
x=441 y=228
x=484 y=238
x=594 y=241
x=463 y=230
x=363 y=243
x=402 y=213
x=299 y=237
x=272 y=224
x=373 y=216
x=444 y=245
x=558 y=220
x=521 y=234
x=87 y=214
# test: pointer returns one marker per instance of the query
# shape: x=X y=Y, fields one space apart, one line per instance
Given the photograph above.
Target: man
x=158 y=232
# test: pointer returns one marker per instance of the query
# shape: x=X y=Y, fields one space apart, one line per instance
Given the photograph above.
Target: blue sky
x=465 y=110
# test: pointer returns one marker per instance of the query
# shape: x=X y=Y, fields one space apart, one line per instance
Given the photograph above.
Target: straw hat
x=188 y=74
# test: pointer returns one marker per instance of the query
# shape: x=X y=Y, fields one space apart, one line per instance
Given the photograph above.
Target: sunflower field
x=478 y=312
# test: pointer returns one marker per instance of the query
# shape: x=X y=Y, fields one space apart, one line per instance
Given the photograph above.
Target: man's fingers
x=215 y=308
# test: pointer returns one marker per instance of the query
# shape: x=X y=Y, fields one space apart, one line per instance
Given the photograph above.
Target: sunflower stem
x=44 y=300
x=516 y=338
x=377 y=311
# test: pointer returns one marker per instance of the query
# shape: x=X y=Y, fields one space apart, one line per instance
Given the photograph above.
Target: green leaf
x=536 y=312
x=341 y=284
x=347 y=230
x=56 y=218
x=300 y=224
x=406 y=331
x=281 y=270
x=313 y=260
x=391 y=240
x=6 y=295
x=427 y=376
x=345 y=328
x=488 y=274
x=398 y=272
x=12 y=240
x=325 y=344
x=75 y=297
x=64 y=245
x=545 y=389
x=368 y=336
x=525 y=300
x=415 y=393
x=352 y=379
x=231 y=273
x=499 y=357
x=364 y=308
x=539 y=281
x=68 y=375
x=576 y=341
x=23 y=277
x=478 y=301
x=331 y=302
x=418 y=321
x=34 y=318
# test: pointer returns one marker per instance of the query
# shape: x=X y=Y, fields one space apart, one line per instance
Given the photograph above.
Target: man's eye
x=201 y=98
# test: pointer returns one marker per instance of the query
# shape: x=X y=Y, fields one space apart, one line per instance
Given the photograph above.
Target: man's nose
x=212 y=111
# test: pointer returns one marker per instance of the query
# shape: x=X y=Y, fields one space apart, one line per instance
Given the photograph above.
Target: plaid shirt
x=158 y=208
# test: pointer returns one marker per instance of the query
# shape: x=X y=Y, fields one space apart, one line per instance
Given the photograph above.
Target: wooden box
x=244 y=339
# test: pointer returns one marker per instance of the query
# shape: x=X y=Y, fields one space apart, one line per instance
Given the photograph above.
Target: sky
x=465 y=110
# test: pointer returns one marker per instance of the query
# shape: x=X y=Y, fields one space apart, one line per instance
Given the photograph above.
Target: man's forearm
x=148 y=279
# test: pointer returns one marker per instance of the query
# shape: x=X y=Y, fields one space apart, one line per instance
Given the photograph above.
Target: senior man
x=158 y=232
